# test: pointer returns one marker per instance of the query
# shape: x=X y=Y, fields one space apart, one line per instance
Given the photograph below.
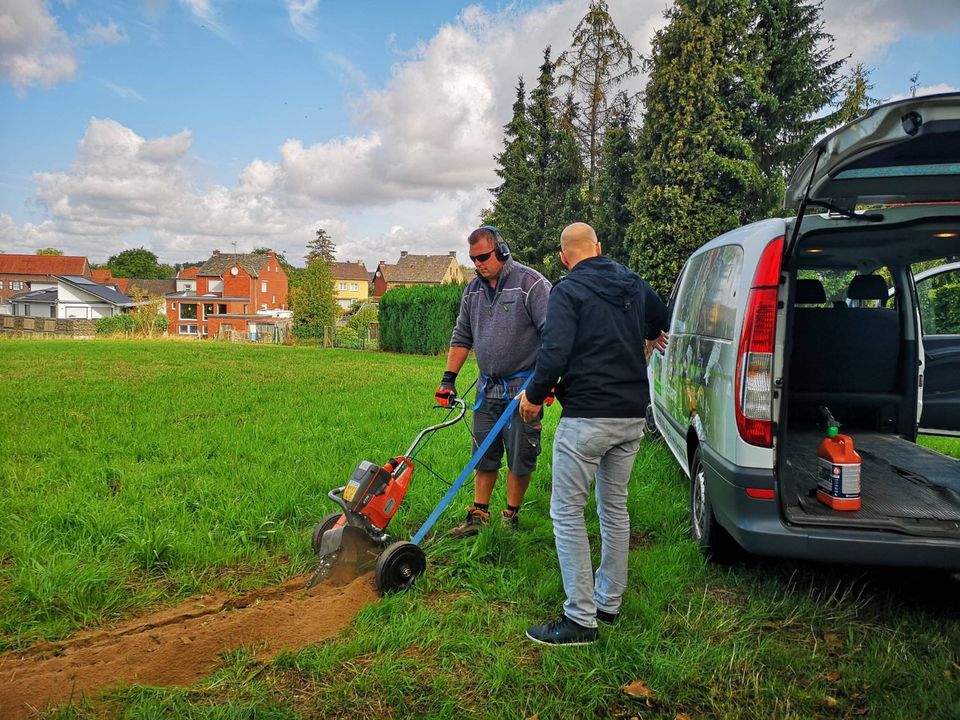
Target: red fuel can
x=838 y=470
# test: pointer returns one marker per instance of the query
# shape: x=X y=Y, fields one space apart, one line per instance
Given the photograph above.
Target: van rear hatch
x=902 y=152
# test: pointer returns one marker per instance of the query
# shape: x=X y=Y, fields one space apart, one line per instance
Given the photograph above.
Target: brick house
x=416 y=270
x=20 y=273
x=230 y=294
x=351 y=282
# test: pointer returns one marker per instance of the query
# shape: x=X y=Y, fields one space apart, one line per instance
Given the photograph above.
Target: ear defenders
x=500 y=247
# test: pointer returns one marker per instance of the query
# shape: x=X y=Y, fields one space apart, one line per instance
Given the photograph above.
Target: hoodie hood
x=608 y=280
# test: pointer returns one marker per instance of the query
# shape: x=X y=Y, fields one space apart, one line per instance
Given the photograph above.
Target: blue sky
x=192 y=125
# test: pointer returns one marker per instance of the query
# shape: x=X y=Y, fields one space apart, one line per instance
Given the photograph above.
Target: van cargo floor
x=904 y=486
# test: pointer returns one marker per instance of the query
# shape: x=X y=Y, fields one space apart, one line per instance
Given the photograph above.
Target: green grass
x=135 y=474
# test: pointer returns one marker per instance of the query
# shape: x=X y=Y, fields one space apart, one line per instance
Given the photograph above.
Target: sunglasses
x=482 y=257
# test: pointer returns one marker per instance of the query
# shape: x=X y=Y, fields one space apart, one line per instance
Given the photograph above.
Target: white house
x=71 y=296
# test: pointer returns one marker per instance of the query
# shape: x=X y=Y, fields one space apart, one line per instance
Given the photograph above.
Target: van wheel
x=652 y=431
x=714 y=542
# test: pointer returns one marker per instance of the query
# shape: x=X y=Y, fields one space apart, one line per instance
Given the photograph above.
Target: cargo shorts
x=521 y=440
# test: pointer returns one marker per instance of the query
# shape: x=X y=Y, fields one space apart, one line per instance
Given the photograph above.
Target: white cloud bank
x=414 y=175
x=33 y=49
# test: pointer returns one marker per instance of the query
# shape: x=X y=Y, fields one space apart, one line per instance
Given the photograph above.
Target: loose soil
x=179 y=645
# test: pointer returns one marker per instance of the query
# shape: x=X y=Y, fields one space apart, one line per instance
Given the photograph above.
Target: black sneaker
x=476 y=519
x=605 y=617
x=562 y=632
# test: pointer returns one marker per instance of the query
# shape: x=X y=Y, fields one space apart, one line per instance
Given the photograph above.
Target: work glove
x=551 y=397
x=447 y=390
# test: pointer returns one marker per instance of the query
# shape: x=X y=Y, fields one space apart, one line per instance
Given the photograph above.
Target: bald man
x=592 y=350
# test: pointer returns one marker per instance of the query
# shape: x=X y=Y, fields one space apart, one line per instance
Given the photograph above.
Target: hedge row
x=419 y=319
x=946 y=304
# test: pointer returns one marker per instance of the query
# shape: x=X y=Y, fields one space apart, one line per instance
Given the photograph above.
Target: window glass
x=718 y=313
x=263 y=286
x=939 y=297
x=188 y=311
x=684 y=305
x=706 y=300
x=207 y=309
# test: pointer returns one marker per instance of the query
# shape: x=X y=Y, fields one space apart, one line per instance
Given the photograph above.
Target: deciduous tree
x=138 y=263
x=312 y=300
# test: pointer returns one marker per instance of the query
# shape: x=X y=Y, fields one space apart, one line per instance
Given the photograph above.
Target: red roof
x=349 y=271
x=102 y=275
x=188 y=272
x=43 y=264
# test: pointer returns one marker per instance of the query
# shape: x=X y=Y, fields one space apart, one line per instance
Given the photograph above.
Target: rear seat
x=848 y=356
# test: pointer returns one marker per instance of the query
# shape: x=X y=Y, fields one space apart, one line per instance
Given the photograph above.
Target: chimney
x=453 y=253
x=359 y=262
x=403 y=253
x=216 y=252
x=381 y=262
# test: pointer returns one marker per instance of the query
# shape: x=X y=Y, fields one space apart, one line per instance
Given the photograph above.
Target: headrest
x=810 y=292
x=868 y=287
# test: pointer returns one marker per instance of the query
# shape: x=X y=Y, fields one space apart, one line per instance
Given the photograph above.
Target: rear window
x=706 y=301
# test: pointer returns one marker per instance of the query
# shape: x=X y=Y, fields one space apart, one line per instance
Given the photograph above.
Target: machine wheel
x=714 y=542
x=653 y=432
x=321 y=527
x=399 y=566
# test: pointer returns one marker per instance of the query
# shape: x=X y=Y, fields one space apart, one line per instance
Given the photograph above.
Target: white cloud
x=866 y=28
x=204 y=14
x=109 y=34
x=924 y=90
x=33 y=48
x=122 y=91
x=412 y=175
x=301 y=17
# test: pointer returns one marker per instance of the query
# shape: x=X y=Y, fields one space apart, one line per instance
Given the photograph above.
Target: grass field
x=135 y=474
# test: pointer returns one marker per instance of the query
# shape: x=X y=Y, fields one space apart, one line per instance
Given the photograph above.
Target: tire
x=712 y=540
x=652 y=431
x=399 y=566
x=321 y=527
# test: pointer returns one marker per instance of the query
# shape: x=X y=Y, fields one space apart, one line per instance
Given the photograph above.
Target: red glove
x=551 y=397
x=447 y=390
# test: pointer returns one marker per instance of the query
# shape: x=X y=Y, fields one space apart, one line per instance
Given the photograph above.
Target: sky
x=187 y=126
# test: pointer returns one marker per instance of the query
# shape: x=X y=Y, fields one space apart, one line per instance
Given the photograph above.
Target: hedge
x=419 y=319
x=946 y=305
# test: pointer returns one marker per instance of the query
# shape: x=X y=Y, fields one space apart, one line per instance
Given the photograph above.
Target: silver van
x=773 y=320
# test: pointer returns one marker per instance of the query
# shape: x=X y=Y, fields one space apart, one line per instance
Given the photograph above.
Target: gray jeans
x=584 y=450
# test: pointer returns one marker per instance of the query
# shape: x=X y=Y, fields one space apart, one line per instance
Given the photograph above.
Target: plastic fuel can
x=838 y=470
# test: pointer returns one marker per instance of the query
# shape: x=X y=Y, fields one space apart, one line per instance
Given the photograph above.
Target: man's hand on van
x=658 y=343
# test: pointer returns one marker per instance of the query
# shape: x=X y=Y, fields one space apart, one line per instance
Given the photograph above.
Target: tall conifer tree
x=618 y=164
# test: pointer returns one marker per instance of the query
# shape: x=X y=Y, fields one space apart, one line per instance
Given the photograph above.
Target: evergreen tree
x=321 y=246
x=566 y=186
x=696 y=173
x=856 y=95
x=599 y=61
x=788 y=78
x=618 y=164
x=312 y=300
x=512 y=210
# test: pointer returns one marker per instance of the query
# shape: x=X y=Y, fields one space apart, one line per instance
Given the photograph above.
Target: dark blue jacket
x=593 y=341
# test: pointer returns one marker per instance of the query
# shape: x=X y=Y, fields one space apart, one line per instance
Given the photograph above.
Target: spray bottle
x=838 y=469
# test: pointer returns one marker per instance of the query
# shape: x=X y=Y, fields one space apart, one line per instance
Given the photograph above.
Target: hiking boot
x=562 y=632
x=476 y=519
x=510 y=519
x=605 y=617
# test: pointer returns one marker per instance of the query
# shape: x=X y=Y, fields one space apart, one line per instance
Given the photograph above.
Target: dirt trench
x=179 y=645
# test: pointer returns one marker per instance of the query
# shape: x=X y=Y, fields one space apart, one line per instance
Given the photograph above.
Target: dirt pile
x=179 y=645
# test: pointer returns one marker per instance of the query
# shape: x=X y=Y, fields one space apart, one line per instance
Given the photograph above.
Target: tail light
x=754 y=379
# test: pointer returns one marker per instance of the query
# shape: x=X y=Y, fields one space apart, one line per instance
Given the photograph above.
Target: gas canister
x=838 y=468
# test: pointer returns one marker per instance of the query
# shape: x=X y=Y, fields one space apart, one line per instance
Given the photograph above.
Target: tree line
x=737 y=91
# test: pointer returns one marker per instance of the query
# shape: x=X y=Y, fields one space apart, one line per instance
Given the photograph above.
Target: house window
x=53 y=311
x=16 y=285
x=204 y=329
x=188 y=311
x=263 y=286
x=353 y=286
x=187 y=329
x=207 y=310
x=221 y=309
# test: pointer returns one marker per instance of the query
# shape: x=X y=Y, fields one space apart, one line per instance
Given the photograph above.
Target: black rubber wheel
x=321 y=527
x=399 y=566
x=652 y=431
x=714 y=542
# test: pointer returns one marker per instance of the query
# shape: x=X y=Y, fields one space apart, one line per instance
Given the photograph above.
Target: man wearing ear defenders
x=501 y=317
